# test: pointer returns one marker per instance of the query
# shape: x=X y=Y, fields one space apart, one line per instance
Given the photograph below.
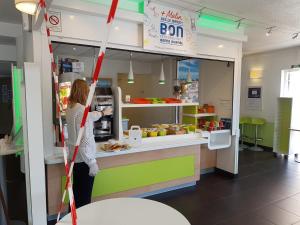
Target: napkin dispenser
x=135 y=136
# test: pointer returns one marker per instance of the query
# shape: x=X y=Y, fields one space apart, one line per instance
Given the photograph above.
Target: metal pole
x=2 y=200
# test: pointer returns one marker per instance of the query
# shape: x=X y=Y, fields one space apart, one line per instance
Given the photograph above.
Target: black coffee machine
x=103 y=128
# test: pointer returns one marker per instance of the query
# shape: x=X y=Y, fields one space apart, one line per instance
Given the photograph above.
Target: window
x=290 y=81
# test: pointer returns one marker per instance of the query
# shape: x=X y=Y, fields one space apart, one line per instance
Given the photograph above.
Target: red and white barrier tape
x=42 y=4
x=98 y=67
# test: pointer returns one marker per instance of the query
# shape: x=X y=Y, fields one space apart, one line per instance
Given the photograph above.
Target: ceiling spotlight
x=295 y=35
x=269 y=31
x=239 y=23
x=200 y=12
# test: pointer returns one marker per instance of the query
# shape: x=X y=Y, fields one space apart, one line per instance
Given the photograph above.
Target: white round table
x=126 y=211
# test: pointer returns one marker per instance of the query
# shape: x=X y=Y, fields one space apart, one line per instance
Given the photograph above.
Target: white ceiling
x=8 y=12
x=260 y=14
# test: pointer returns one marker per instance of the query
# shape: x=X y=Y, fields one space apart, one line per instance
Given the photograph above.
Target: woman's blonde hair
x=79 y=92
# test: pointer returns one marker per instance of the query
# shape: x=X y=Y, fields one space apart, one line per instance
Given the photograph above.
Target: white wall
x=10 y=29
x=8 y=53
x=216 y=85
x=11 y=52
x=147 y=85
x=272 y=63
x=111 y=67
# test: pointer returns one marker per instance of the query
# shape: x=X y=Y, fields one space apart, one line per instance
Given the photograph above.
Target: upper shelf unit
x=200 y=115
x=157 y=105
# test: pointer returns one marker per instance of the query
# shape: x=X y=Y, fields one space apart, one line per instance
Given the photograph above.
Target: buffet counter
x=157 y=165
x=148 y=144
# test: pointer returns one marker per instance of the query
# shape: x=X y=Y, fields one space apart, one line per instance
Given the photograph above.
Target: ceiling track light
x=239 y=23
x=269 y=31
x=295 y=35
x=200 y=12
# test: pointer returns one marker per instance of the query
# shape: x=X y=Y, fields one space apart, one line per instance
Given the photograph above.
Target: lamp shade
x=26 y=6
x=162 y=75
x=189 y=78
x=130 y=74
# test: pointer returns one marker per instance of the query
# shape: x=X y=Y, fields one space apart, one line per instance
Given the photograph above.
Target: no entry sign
x=54 y=21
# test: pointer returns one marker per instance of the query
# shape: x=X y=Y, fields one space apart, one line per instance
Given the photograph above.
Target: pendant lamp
x=26 y=6
x=162 y=74
x=130 y=74
x=189 y=78
x=189 y=75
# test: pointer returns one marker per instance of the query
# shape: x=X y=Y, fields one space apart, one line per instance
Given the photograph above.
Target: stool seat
x=245 y=120
x=258 y=121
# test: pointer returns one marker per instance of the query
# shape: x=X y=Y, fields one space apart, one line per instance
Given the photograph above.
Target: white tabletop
x=126 y=211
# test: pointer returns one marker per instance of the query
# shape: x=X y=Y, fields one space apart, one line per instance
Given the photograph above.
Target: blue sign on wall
x=189 y=65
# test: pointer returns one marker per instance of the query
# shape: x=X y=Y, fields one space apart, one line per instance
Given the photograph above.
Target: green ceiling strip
x=130 y=5
x=207 y=21
x=217 y=23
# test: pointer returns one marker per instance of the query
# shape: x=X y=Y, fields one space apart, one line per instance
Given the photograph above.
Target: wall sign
x=169 y=29
x=254 y=101
x=254 y=92
x=54 y=21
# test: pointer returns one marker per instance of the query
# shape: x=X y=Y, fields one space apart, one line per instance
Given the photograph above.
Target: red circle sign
x=54 y=20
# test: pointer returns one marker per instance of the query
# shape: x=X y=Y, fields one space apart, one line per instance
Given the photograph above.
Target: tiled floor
x=266 y=192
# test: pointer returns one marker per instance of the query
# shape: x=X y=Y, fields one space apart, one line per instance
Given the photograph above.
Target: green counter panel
x=123 y=178
x=285 y=114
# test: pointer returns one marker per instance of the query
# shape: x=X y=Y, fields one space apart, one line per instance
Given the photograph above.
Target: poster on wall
x=189 y=65
x=254 y=100
x=169 y=29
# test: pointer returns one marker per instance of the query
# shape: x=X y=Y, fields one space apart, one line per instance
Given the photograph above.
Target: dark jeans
x=82 y=184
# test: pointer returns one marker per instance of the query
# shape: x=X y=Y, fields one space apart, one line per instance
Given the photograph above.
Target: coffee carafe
x=103 y=128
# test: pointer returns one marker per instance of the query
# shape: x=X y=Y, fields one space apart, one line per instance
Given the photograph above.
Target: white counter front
x=148 y=144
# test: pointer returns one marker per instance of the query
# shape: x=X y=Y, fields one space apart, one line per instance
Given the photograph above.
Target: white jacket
x=87 y=147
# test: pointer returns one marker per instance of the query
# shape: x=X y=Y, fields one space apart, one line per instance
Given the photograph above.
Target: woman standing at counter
x=86 y=167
